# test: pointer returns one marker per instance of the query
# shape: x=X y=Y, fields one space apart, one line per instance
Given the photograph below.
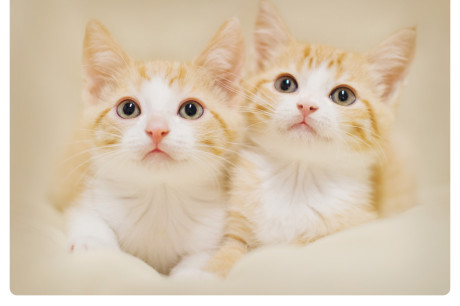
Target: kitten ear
x=390 y=62
x=224 y=56
x=270 y=34
x=103 y=59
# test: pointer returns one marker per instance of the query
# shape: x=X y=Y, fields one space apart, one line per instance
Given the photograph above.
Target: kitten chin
x=311 y=150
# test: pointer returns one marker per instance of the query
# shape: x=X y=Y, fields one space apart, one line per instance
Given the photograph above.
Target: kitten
x=153 y=150
x=318 y=119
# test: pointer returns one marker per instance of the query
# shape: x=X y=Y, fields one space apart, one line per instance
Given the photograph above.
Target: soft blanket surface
x=404 y=254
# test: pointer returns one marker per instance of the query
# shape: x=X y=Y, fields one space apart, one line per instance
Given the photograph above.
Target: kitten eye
x=128 y=109
x=191 y=110
x=343 y=96
x=286 y=84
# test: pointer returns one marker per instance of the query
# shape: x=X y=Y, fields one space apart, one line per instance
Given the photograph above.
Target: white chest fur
x=161 y=224
x=304 y=201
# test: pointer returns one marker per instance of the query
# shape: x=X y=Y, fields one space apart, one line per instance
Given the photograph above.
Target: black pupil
x=129 y=108
x=343 y=95
x=285 y=84
x=190 y=109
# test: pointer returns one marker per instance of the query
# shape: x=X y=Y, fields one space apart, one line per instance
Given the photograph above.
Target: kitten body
x=319 y=120
x=160 y=223
x=153 y=149
x=298 y=201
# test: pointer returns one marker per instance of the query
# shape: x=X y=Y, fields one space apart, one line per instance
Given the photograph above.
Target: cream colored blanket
x=405 y=254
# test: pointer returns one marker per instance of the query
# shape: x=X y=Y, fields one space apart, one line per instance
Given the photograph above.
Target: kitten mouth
x=157 y=153
x=302 y=127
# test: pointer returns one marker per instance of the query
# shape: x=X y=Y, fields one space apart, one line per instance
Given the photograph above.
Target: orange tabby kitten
x=318 y=119
x=153 y=150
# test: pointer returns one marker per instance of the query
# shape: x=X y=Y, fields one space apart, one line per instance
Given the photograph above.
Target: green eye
x=286 y=84
x=128 y=109
x=343 y=96
x=191 y=110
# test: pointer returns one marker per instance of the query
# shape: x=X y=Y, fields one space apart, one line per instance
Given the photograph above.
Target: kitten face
x=319 y=95
x=163 y=118
x=316 y=94
x=163 y=134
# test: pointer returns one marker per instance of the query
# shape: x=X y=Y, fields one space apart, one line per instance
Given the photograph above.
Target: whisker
x=73 y=156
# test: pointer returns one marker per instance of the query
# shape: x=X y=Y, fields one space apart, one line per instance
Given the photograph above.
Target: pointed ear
x=224 y=56
x=390 y=62
x=270 y=35
x=103 y=59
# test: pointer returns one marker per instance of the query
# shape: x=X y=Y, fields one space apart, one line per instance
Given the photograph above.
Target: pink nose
x=306 y=109
x=157 y=130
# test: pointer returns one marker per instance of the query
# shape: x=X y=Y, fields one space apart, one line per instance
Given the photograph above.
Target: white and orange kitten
x=153 y=150
x=318 y=139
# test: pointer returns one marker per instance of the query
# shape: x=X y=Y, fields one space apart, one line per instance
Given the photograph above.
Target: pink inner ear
x=271 y=35
x=103 y=58
x=94 y=86
x=224 y=57
x=390 y=62
x=392 y=81
x=390 y=74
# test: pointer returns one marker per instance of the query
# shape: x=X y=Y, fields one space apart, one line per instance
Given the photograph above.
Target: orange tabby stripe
x=306 y=54
x=98 y=120
x=359 y=131
x=260 y=83
x=142 y=71
x=306 y=51
x=222 y=124
x=341 y=58
x=211 y=145
x=339 y=65
x=179 y=76
x=262 y=114
x=262 y=108
x=237 y=238
x=372 y=116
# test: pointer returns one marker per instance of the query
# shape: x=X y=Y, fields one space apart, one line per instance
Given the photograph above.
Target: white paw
x=89 y=243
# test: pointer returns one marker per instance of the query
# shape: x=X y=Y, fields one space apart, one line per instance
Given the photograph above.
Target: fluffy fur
x=165 y=206
x=312 y=167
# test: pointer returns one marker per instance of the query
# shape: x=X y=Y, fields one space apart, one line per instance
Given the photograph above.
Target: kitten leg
x=226 y=257
x=88 y=231
x=238 y=240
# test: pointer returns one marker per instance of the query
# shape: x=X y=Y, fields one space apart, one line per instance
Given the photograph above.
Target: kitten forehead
x=324 y=63
x=318 y=78
x=157 y=94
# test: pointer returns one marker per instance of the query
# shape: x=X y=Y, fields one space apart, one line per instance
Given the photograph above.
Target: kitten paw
x=89 y=243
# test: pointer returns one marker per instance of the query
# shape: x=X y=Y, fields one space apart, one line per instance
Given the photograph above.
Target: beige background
x=46 y=37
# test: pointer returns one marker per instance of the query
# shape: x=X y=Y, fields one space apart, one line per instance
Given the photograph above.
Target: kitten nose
x=157 y=129
x=306 y=108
